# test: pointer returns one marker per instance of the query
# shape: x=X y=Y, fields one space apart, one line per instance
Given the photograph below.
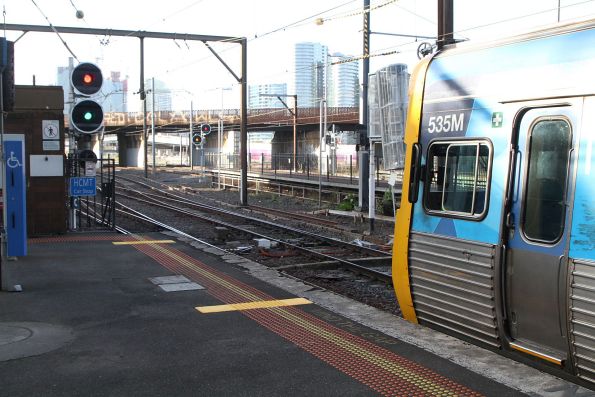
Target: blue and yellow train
x=495 y=235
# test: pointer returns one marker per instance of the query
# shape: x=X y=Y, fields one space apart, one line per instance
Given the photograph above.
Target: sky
x=272 y=28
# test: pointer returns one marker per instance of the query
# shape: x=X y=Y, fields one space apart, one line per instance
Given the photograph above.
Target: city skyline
x=270 y=27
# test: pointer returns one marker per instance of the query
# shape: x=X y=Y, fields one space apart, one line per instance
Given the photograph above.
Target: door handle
x=510 y=220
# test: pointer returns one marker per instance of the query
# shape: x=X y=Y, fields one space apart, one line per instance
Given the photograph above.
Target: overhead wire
x=296 y=23
x=302 y=21
x=502 y=21
x=55 y=31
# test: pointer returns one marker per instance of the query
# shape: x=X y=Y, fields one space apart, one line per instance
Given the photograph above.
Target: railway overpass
x=129 y=128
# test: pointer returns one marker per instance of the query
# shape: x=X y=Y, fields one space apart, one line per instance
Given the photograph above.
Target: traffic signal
x=86 y=79
x=197 y=138
x=86 y=116
x=205 y=129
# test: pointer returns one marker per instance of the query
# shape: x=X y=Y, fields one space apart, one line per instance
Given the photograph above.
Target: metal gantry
x=141 y=34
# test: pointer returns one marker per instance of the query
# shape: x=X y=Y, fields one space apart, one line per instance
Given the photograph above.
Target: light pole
x=153 y=120
x=321 y=140
x=191 y=133
x=294 y=113
x=220 y=139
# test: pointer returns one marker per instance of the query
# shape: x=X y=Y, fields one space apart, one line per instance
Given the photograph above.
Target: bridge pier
x=131 y=150
x=88 y=142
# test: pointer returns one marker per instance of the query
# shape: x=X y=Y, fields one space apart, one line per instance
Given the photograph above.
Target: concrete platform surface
x=99 y=319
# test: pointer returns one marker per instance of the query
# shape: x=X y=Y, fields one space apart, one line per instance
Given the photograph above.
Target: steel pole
x=364 y=170
x=219 y=140
x=143 y=97
x=295 y=133
x=153 y=120
x=445 y=23
x=244 y=127
x=372 y=188
x=190 y=143
x=320 y=138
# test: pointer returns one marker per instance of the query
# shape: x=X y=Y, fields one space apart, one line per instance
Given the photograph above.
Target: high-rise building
x=387 y=105
x=343 y=84
x=309 y=73
x=115 y=93
x=63 y=79
x=163 y=96
x=257 y=101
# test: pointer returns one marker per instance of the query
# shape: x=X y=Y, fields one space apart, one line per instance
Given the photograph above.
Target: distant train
x=495 y=235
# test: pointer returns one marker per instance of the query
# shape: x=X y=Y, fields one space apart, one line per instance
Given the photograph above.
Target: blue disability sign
x=82 y=186
x=16 y=206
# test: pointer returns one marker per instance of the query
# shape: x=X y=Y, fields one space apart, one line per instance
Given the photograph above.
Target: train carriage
x=495 y=235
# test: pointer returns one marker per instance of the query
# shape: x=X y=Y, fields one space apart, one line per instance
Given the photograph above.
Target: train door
x=538 y=230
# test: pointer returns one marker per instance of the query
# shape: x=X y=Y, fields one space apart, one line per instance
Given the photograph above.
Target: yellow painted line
x=143 y=242
x=360 y=351
x=253 y=305
x=537 y=354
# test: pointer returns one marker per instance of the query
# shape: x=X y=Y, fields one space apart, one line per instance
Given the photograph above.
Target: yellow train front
x=495 y=235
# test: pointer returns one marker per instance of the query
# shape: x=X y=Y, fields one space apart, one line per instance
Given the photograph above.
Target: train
x=494 y=239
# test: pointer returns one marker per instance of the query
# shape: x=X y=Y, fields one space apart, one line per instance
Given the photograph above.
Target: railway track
x=293 y=244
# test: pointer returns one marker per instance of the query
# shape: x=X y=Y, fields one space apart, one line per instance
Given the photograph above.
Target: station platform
x=158 y=315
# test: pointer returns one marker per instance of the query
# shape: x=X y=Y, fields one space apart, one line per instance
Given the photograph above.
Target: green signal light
x=88 y=116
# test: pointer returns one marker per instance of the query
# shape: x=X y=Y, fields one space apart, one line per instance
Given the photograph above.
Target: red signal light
x=86 y=79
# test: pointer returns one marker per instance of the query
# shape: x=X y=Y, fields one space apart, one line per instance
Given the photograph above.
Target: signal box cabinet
x=39 y=115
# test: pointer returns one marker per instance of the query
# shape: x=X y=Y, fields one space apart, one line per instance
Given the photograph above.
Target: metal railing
x=94 y=211
x=306 y=167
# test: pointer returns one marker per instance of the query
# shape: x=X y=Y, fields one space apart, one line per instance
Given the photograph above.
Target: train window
x=547 y=173
x=457 y=178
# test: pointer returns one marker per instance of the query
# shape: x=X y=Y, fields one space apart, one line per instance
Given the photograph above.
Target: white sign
x=51 y=129
x=46 y=165
x=90 y=168
x=51 y=145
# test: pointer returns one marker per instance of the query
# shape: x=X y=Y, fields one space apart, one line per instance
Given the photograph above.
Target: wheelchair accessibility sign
x=82 y=186
x=13 y=161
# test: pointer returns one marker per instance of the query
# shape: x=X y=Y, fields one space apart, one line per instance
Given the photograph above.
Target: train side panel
x=582 y=253
x=495 y=237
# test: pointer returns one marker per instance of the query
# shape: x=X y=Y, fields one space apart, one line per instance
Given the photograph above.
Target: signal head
x=196 y=138
x=205 y=129
x=86 y=116
x=86 y=79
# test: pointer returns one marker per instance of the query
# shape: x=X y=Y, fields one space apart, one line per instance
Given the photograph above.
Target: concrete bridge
x=257 y=118
x=128 y=127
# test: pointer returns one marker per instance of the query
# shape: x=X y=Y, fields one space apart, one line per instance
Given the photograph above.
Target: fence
x=93 y=210
x=307 y=166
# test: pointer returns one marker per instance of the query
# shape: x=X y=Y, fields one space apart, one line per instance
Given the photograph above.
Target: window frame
x=479 y=141
x=527 y=162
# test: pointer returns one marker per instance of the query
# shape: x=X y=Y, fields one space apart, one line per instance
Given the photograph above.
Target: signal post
x=86 y=118
x=198 y=140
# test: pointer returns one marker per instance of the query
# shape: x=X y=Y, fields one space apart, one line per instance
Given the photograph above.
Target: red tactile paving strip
x=75 y=238
x=380 y=369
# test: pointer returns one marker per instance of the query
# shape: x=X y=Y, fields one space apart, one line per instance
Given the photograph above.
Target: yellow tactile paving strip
x=253 y=305
x=143 y=242
x=380 y=369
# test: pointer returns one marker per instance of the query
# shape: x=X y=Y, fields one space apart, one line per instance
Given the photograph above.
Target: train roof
x=548 y=63
x=546 y=31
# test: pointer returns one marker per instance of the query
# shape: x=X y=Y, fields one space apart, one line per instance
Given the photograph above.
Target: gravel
x=343 y=282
